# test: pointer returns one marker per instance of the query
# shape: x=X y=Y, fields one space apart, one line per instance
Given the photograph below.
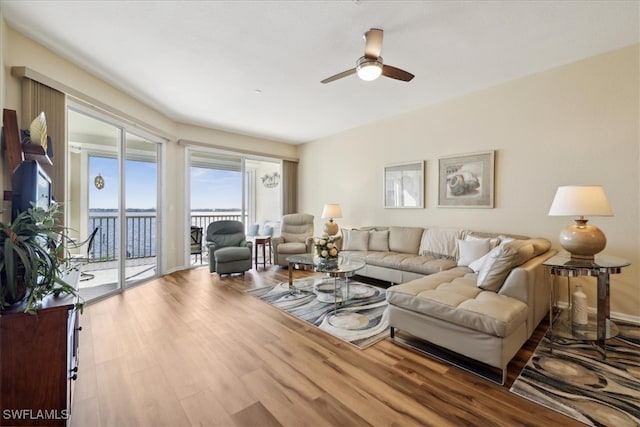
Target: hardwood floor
x=191 y=348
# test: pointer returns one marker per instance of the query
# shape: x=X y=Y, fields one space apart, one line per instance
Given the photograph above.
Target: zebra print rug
x=576 y=381
x=361 y=320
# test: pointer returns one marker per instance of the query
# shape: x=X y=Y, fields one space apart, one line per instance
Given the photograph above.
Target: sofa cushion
x=379 y=240
x=453 y=296
x=405 y=239
x=501 y=261
x=292 y=248
x=355 y=240
x=441 y=242
x=409 y=262
x=472 y=249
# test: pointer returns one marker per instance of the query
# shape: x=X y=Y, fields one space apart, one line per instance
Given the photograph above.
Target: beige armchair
x=296 y=237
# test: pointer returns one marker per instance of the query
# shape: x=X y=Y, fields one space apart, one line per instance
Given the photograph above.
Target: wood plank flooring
x=192 y=348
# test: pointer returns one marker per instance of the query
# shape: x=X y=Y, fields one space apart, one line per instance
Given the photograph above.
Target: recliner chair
x=229 y=250
x=296 y=237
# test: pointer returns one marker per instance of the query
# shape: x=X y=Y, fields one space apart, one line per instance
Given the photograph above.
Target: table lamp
x=331 y=211
x=581 y=240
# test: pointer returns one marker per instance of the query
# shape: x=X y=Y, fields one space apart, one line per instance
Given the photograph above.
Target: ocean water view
x=141 y=230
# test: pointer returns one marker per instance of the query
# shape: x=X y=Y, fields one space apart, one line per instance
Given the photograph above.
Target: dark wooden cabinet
x=38 y=364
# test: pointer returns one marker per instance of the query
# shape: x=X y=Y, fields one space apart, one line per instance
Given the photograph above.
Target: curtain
x=37 y=98
x=289 y=187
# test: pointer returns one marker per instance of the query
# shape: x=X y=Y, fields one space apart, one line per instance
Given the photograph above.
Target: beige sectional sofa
x=476 y=294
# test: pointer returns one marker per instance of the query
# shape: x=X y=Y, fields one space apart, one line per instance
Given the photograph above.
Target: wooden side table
x=262 y=241
x=601 y=267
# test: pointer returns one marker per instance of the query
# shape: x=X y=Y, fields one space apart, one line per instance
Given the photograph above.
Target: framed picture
x=466 y=181
x=404 y=185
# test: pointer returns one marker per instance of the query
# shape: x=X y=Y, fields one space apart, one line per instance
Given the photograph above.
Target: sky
x=210 y=188
x=215 y=189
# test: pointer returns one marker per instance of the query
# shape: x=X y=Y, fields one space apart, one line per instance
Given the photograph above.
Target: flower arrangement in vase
x=327 y=250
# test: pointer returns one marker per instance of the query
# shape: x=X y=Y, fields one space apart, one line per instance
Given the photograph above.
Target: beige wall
x=577 y=124
x=18 y=50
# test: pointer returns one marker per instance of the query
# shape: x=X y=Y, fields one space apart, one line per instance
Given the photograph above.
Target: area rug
x=361 y=320
x=575 y=381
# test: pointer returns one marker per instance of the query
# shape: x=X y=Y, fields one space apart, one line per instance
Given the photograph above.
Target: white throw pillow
x=472 y=249
x=476 y=265
x=355 y=240
x=501 y=261
x=494 y=241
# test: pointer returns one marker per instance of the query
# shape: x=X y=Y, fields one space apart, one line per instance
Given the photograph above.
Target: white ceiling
x=201 y=62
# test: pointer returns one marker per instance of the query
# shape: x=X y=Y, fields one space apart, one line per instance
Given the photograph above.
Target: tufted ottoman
x=449 y=309
x=232 y=260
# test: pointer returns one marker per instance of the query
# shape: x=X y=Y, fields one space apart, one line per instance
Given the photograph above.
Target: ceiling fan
x=370 y=66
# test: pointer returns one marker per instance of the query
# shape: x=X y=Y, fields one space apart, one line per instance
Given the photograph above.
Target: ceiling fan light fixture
x=369 y=69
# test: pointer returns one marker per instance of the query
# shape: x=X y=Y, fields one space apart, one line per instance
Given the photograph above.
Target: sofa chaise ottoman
x=478 y=295
x=486 y=316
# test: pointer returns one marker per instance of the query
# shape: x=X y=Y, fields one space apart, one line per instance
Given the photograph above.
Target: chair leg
x=86 y=276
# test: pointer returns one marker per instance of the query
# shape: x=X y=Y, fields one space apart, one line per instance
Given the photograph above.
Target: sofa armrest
x=275 y=241
x=522 y=281
x=248 y=244
x=530 y=284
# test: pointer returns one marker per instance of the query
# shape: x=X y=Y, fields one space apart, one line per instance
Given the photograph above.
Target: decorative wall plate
x=99 y=182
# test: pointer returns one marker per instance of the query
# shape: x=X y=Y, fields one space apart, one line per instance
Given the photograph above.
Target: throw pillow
x=494 y=241
x=440 y=243
x=472 y=249
x=379 y=240
x=355 y=240
x=477 y=264
x=253 y=230
x=501 y=261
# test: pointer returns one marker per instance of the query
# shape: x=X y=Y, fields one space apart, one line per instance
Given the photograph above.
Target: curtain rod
x=186 y=142
x=25 y=72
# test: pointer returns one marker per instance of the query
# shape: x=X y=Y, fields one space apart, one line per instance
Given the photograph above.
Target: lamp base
x=583 y=241
x=331 y=228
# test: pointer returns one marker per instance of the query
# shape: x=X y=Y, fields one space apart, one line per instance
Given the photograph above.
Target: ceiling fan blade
x=373 y=43
x=396 y=73
x=339 y=76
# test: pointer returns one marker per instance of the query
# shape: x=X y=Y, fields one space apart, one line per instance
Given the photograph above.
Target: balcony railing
x=141 y=233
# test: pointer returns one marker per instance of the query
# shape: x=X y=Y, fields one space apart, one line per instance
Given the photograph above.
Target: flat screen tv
x=31 y=186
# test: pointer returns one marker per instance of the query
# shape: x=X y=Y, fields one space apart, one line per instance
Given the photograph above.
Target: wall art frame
x=403 y=185
x=466 y=180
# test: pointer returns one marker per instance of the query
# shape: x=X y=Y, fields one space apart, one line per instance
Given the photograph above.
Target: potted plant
x=32 y=259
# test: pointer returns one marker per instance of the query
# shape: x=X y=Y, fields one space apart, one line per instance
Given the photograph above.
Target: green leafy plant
x=33 y=258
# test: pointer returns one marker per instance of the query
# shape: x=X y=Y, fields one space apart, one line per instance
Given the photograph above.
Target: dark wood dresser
x=39 y=362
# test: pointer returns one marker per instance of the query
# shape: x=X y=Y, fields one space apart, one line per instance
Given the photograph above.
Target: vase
x=328 y=263
x=13 y=298
x=579 y=313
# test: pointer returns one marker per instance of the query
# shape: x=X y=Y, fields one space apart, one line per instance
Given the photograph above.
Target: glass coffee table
x=337 y=293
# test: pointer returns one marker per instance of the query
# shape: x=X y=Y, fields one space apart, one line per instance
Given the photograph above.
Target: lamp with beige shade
x=581 y=240
x=331 y=211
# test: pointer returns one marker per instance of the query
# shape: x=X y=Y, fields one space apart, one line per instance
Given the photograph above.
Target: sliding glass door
x=225 y=186
x=113 y=181
x=216 y=182
x=141 y=213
